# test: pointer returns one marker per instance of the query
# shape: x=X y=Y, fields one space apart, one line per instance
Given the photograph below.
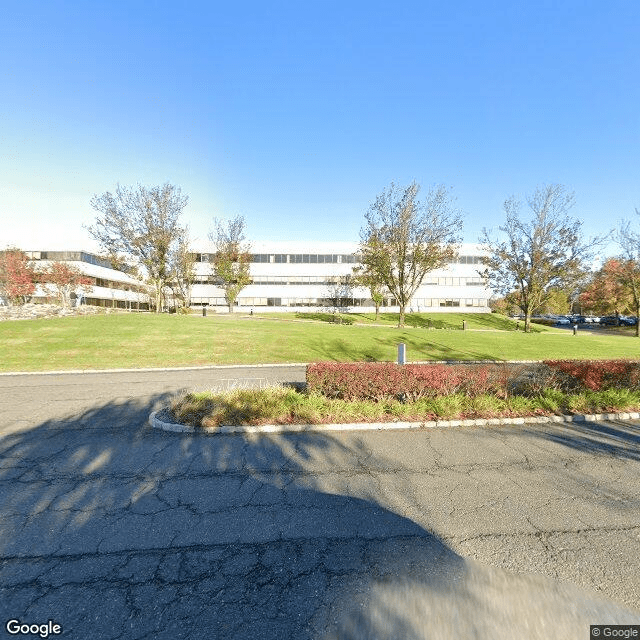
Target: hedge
x=380 y=380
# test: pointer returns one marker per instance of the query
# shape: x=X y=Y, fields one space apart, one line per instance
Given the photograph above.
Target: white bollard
x=402 y=353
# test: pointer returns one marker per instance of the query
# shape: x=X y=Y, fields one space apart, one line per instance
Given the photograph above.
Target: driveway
x=111 y=529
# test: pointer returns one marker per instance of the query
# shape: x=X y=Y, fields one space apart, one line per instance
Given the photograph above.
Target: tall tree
x=404 y=239
x=63 y=279
x=539 y=254
x=17 y=275
x=629 y=241
x=141 y=223
x=232 y=258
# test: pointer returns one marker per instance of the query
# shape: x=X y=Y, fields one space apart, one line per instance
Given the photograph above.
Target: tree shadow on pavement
x=615 y=438
x=116 y=530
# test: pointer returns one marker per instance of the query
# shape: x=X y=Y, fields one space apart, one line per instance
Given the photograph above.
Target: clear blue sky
x=297 y=114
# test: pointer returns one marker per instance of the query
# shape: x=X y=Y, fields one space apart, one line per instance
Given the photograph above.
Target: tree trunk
x=401 y=319
x=377 y=312
x=527 y=321
x=158 y=297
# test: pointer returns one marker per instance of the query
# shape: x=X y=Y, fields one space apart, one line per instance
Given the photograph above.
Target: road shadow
x=117 y=530
x=618 y=438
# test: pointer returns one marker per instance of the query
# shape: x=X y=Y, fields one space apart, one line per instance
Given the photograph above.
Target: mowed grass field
x=149 y=340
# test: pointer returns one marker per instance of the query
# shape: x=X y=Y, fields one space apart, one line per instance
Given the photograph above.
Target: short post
x=464 y=325
x=575 y=329
x=204 y=312
x=402 y=353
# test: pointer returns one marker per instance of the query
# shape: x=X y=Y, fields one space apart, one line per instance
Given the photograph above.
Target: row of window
x=319 y=258
x=416 y=305
x=118 y=286
x=328 y=280
x=74 y=256
x=116 y=304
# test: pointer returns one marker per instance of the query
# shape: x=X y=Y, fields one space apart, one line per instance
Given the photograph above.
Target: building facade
x=286 y=276
x=295 y=276
x=109 y=287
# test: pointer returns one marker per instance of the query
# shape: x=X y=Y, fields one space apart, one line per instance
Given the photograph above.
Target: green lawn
x=148 y=340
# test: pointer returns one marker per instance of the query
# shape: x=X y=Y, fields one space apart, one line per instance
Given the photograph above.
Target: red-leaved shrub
x=379 y=380
x=597 y=375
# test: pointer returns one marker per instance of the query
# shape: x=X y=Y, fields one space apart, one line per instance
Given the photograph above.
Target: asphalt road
x=111 y=529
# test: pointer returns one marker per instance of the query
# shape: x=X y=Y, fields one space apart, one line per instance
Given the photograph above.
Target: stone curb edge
x=152 y=369
x=384 y=426
x=238 y=366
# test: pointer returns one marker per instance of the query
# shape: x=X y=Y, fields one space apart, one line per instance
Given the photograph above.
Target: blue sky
x=297 y=114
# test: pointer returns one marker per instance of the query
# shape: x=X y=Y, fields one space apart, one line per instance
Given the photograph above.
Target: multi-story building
x=286 y=276
x=109 y=287
x=296 y=276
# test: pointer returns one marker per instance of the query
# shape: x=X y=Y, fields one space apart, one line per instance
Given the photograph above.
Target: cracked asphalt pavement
x=114 y=530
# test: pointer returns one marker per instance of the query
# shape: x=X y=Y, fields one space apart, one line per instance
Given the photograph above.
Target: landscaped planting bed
x=384 y=392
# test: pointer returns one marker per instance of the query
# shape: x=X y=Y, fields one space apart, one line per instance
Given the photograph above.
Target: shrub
x=595 y=375
x=377 y=380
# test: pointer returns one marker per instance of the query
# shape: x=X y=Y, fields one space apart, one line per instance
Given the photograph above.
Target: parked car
x=627 y=321
x=609 y=321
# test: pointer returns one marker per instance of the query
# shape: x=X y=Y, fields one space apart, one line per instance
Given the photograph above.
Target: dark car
x=627 y=321
x=610 y=321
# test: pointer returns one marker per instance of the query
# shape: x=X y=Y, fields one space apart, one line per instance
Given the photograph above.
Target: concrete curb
x=384 y=426
x=153 y=369
x=239 y=366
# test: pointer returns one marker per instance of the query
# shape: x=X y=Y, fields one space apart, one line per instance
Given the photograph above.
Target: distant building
x=287 y=276
x=296 y=276
x=109 y=287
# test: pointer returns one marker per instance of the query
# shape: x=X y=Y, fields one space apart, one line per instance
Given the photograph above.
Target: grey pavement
x=115 y=530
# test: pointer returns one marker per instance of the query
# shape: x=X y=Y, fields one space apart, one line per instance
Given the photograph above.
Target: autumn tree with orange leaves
x=17 y=276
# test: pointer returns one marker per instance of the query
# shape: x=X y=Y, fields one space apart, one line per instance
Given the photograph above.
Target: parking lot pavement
x=114 y=530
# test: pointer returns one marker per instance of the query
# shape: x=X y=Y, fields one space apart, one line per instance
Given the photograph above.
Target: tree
x=63 y=279
x=364 y=275
x=339 y=294
x=17 y=275
x=142 y=224
x=183 y=262
x=405 y=239
x=605 y=293
x=539 y=255
x=232 y=258
x=629 y=241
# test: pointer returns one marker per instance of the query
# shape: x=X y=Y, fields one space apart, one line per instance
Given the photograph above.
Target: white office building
x=286 y=276
x=109 y=287
x=304 y=276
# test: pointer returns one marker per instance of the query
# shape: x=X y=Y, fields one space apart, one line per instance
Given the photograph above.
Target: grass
x=149 y=340
x=280 y=405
